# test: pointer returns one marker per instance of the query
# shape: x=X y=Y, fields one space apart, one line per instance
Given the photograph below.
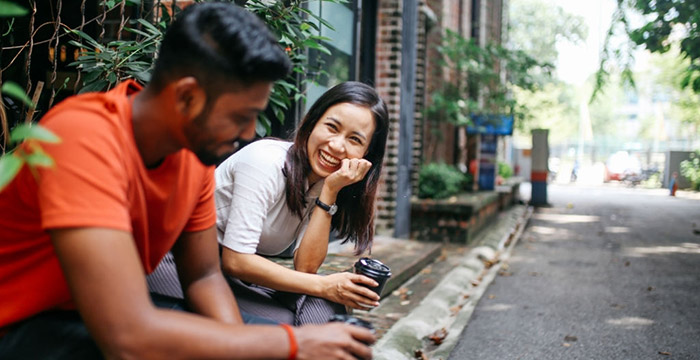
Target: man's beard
x=208 y=158
x=198 y=128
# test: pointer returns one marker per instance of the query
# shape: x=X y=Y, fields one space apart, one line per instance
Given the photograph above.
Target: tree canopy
x=655 y=25
x=549 y=22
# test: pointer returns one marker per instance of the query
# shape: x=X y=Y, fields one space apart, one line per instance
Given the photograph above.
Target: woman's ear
x=190 y=98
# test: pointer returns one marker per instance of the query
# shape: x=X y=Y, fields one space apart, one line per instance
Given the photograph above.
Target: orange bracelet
x=292 y=342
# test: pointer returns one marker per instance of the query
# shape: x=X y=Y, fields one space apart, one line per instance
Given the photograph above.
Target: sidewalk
x=437 y=287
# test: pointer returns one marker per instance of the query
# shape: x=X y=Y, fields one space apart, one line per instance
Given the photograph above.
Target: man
x=131 y=182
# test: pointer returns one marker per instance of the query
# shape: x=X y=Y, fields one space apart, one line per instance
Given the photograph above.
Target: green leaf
x=98 y=85
x=87 y=38
x=39 y=158
x=36 y=132
x=10 y=165
x=12 y=89
x=262 y=126
x=9 y=9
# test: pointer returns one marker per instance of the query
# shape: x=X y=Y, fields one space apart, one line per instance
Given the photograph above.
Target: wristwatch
x=330 y=209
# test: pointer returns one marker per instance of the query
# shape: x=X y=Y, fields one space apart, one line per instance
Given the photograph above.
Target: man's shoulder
x=88 y=112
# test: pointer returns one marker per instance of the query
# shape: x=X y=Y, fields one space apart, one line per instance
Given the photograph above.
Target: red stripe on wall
x=538 y=176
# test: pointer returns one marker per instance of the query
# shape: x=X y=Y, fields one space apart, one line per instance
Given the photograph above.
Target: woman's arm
x=314 y=245
x=343 y=288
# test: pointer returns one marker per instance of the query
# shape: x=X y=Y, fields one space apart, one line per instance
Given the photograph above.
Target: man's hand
x=333 y=341
x=346 y=288
x=350 y=172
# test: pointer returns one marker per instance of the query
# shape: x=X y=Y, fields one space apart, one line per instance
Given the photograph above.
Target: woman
x=276 y=198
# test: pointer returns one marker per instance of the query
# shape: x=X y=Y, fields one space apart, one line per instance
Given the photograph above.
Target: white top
x=251 y=211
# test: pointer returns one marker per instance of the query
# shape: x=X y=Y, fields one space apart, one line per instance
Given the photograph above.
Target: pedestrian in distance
x=133 y=181
x=673 y=184
x=282 y=199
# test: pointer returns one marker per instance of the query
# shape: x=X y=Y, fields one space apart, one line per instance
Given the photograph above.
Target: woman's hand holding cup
x=350 y=290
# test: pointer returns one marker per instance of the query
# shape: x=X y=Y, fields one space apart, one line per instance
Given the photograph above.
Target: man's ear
x=190 y=98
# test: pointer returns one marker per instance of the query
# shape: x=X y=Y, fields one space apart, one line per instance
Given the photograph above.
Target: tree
x=551 y=24
x=662 y=23
x=552 y=104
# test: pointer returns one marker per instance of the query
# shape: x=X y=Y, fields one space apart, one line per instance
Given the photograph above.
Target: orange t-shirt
x=99 y=180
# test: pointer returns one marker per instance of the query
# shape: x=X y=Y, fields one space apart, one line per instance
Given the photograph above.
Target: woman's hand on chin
x=347 y=289
x=350 y=172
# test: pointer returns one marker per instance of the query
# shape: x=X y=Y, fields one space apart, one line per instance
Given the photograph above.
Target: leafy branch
x=31 y=153
x=476 y=86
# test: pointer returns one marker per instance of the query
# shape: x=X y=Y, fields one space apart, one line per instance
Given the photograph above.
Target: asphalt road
x=605 y=273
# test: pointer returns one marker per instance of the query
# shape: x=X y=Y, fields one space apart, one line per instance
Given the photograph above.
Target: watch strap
x=331 y=209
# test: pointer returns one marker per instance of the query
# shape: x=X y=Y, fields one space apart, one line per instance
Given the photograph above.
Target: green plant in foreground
x=439 y=181
x=30 y=153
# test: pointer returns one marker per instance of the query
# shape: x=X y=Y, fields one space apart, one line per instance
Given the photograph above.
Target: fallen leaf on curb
x=664 y=353
x=455 y=309
x=438 y=336
x=475 y=282
x=505 y=266
x=566 y=344
x=489 y=263
x=466 y=296
x=442 y=257
x=491 y=297
x=401 y=292
x=405 y=302
x=427 y=270
x=418 y=354
x=505 y=273
x=426 y=281
x=570 y=338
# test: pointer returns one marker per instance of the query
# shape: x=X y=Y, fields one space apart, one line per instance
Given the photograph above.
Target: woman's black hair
x=354 y=220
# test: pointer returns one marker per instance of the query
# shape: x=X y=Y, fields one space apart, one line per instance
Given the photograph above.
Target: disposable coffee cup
x=375 y=270
x=352 y=321
x=343 y=318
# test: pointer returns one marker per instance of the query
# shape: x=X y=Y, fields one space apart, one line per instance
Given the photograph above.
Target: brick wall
x=388 y=75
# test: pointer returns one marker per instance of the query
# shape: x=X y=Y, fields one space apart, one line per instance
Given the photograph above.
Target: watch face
x=333 y=209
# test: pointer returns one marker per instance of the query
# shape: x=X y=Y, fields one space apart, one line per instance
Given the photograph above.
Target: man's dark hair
x=354 y=221
x=221 y=45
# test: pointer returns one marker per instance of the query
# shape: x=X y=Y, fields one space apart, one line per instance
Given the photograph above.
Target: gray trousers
x=256 y=300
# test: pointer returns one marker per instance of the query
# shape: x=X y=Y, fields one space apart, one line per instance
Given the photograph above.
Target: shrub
x=439 y=181
x=690 y=169
x=504 y=170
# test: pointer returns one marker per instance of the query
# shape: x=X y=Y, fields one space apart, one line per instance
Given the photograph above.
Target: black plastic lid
x=372 y=267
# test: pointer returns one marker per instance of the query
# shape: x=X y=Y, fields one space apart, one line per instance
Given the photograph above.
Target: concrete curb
x=451 y=303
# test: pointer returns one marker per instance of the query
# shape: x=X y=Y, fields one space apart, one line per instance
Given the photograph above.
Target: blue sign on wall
x=491 y=124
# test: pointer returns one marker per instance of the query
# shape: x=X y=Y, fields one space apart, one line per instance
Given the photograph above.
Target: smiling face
x=343 y=132
x=231 y=116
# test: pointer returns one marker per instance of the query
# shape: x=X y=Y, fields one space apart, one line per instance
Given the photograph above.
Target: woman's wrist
x=317 y=287
x=328 y=196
